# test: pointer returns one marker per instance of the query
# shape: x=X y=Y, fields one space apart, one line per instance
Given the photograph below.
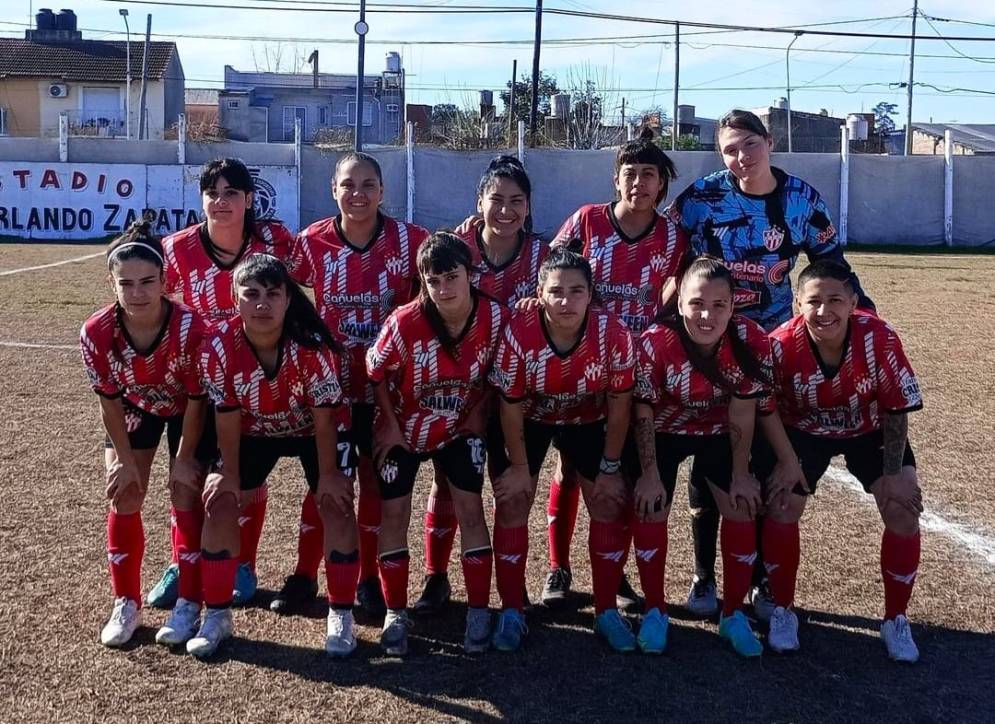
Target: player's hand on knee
x=513 y=483
x=782 y=481
x=335 y=493
x=650 y=495
x=609 y=491
x=744 y=494
x=217 y=487
x=186 y=473
x=122 y=477
x=902 y=489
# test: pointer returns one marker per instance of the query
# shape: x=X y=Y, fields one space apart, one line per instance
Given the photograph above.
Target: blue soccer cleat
x=615 y=630
x=736 y=630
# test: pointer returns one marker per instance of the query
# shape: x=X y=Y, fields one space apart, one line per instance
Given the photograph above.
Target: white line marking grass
x=54 y=263
x=33 y=345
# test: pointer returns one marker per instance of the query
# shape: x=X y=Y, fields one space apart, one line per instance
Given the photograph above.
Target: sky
x=718 y=70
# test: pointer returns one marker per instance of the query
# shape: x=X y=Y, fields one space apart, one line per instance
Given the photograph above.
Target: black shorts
x=145 y=431
x=257 y=456
x=863 y=455
x=362 y=427
x=712 y=460
x=583 y=445
x=461 y=461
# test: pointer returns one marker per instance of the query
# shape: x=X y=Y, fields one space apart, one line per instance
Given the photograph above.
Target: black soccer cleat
x=435 y=595
x=557 y=587
x=298 y=593
x=627 y=599
x=369 y=595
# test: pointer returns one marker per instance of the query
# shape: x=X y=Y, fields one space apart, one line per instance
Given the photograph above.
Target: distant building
x=969 y=139
x=201 y=108
x=699 y=128
x=810 y=132
x=55 y=71
x=262 y=106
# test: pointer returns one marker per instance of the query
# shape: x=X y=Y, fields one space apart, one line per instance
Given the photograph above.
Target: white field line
x=32 y=345
x=980 y=545
x=54 y=263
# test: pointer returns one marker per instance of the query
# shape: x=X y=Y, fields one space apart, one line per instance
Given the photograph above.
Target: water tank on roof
x=393 y=62
x=781 y=103
x=823 y=112
x=66 y=20
x=856 y=127
x=560 y=105
x=685 y=115
x=486 y=98
x=45 y=19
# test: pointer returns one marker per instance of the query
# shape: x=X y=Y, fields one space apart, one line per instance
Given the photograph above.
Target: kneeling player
x=273 y=374
x=844 y=387
x=429 y=366
x=565 y=372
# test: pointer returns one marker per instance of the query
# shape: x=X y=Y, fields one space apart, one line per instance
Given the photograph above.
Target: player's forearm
x=193 y=427
x=381 y=396
x=229 y=426
x=112 y=414
x=645 y=436
x=742 y=417
x=895 y=428
x=513 y=426
x=773 y=430
x=326 y=438
x=617 y=425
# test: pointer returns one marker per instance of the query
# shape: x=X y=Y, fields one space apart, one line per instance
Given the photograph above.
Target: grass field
x=55 y=594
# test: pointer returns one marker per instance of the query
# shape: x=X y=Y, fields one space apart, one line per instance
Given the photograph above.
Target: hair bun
x=505 y=160
x=646 y=134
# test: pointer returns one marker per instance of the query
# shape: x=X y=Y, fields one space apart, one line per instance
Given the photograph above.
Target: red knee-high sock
x=250 y=523
x=342 y=574
x=174 y=554
x=781 y=549
x=125 y=548
x=511 y=551
x=477 y=564
x=899 y=567
x=368 y=520
x=394 y=568
x=561 y=517
x=218 y=576
x=440 y=532
x=310 y=538
x=607 y=543
x=651 y=560
x=739 y=553
x=188 y=526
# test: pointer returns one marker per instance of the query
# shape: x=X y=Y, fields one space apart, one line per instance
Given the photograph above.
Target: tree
x=523 y=97
x=278 y=57
x=883 y=122
x=445 y=113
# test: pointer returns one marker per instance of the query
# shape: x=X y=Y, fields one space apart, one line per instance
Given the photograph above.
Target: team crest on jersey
x=483 y=356
x=658 y=263
x=863 y=385
x=329 y=263
x=525 y=289
x=394 y=265
x=264 y=196
x=388 y=471
x=773 y=238
x=594 y=370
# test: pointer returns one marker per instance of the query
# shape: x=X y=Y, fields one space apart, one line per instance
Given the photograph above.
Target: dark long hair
x=510 y=168
x=710 y=268
x=441 y=252
x=740 y=120
x=643 y=150
x=238 y=177
x=137 y=242
x=301 y=323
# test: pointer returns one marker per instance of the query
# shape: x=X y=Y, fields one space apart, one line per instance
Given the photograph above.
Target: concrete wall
x=20 y=97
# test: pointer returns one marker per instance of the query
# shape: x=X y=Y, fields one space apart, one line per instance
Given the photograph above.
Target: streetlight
x=787 y=72
x=127 y=75
x=361 y=28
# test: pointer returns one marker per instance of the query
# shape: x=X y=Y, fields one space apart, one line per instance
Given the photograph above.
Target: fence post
x=521 y=141
x=409 y=147
x=948 y=188
x=181 y=139
x=844 y=184
x=298 y=135
x=63 y=137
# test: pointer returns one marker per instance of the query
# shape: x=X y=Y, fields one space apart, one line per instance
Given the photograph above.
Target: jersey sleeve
x=622 y=367
x=649 y=369
x=571 y=232
x=683 y=211
x=322 y=385
x=759 y=346
x=278 y=238
x=173 y=281
x=215 y=375
x=96 y=365
x=384 y=356
x=508 y=371
x=898 y=387
x=190 y=374
x=299 y=261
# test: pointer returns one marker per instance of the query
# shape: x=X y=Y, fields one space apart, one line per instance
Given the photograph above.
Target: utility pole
x=534 y=111
x=143 y=118
x=912 y=65
x=674 y=130
x=127 y=74
x=787 y=78
x=623 y=115
x=511 y=103
x=361 y=29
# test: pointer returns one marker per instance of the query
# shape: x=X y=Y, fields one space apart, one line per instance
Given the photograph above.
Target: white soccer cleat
x=477 y=637
x=182 y=624
x=897 y=636
x=340 y=639
x=216 y=628
x=126 y=616
x=783 y=634
x=702 y=598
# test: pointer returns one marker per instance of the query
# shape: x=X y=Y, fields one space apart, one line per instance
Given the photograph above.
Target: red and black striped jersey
x=433 y=389
x=272 y=405
x=356 y=289
x=564 y=388
x=194 y=272
x=158 y=380
x=629 y=273
x=684 y=399
x=874 y=377
x=517 y=278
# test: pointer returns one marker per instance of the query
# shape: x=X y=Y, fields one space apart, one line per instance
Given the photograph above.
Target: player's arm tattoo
x=896 y=431
x=645 y=440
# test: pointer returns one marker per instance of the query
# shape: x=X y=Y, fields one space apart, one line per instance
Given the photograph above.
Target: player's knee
x=514 y=513
x=607 y=511
x=130 y=501
x=223 y=514
x=899 y=519
x=790 y=513
x=395 y=513
x=183 y=498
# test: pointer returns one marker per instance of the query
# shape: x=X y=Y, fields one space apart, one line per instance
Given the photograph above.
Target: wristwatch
x=609 y=467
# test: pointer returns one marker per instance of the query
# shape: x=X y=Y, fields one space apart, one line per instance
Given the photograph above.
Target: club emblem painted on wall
x=264 y=198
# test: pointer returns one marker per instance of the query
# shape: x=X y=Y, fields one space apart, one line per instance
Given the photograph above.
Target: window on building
x=290 y=113
x=233 y=105
x=367 y=113
x=3 y=122
x=322 y=115
x=392 y=108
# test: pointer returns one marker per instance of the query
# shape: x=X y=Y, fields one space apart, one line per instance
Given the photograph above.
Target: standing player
x=633 y=251
x=140 y=358
x=199 y=264
x=700 y=375
x=506 y=258
x=273 y=375
x=429 y=366
x=565 y=372
x=757 y=219
x=844 y=387
x=361 y=265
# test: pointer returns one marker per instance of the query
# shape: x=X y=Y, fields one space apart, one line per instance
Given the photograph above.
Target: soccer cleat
x=245 y=585
x=897 y=636
x=762 y=602
x=652 y=637
x=783 y=634
x=394 y=637
x=615 y=630
x=509 y=630
x=165 y=592
x=217 y=627
x=297 y=593
x=477 y=637
x=126 y=616
x=702 y=600
x=434 y=596
x=557 y=587
x=340 y=639
x=736 y=630
x=182 y=624
x=626 y=598
x=370 y=598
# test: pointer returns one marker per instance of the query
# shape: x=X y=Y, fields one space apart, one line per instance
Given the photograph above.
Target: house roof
x=976 y=136
x=200 y=97
x=82 y=60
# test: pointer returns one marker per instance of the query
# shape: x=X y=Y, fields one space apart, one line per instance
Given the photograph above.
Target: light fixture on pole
x=361 y=28
x=127 y=75
x=787 y=73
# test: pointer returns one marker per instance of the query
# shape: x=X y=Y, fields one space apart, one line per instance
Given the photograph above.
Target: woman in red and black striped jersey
x=273 y=374
x=140 y=357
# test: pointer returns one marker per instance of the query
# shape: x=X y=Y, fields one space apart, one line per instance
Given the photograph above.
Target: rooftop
x=977 y=136
x=81 y=60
